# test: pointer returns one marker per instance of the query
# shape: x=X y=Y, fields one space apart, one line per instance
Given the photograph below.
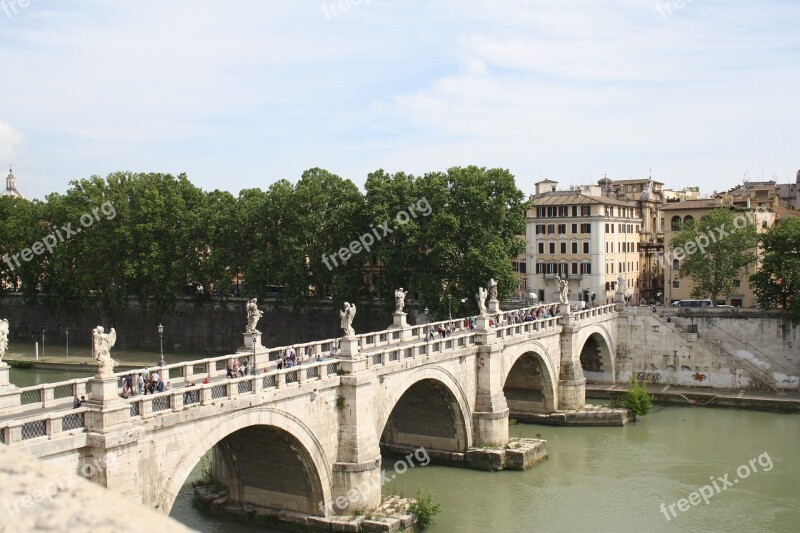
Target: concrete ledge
x=590 y=415
x=518 y=454
x=392 y=515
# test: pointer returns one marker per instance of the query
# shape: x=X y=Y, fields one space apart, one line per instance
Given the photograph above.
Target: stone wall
x=210 y=328
x=664 y=351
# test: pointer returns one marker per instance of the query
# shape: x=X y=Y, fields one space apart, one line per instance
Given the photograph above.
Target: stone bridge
x=291 y=439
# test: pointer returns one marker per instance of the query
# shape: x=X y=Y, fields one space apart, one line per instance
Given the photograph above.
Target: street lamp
x=449 y=311
x=43 y=332
x=161 y=342
x=67 y=343
x=253 y=366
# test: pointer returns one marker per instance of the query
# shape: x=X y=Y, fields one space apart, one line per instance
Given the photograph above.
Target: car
x=694 y=303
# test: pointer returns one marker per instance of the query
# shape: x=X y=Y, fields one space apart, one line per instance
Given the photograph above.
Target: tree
x=715 y=252
x=777 y=283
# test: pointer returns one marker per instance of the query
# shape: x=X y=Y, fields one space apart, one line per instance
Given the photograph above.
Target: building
x=751 y=194
x=676 y=214
x=789 y=193
x=687 y=193
x=649 y=197
x=589 y=240
x=11 y=186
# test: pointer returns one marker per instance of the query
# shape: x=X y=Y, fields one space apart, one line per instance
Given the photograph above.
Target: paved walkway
x=705 y=395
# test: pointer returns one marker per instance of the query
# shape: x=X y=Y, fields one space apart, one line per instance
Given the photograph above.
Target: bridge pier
x=356 y=474
x=571 y=381
x=490 y=418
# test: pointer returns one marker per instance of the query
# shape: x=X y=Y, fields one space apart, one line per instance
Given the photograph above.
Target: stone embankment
x=392 y=515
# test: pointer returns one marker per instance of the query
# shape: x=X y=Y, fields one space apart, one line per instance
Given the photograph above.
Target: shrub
x=424 y=508
x=637 y=399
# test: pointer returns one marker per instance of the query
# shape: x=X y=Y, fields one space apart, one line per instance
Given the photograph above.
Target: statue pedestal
x=481 y=323
x=566 y=309
x=247 y=344
x=348 y=347
x=4 y=368
x=104 y=389
x=401 y=330
x=494 y=306
x=399 y=320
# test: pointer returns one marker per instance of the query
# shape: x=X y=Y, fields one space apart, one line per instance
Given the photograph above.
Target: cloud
x=11 y=141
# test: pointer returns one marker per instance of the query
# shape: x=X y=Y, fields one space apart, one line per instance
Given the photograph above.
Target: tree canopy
x=157 y=236
x=715 y=251
x=777 y=283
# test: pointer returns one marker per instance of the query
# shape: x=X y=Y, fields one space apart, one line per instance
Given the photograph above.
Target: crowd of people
x=142 y=383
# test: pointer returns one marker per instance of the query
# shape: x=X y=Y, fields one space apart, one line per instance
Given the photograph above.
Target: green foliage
x=637 y=399
x=207 y=470
x=424 y=508
x=20 y=364
x=725 y=257
x=777 y=284
x=167 y=237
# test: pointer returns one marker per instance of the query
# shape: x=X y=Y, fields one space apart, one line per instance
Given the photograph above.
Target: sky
x=240 y=94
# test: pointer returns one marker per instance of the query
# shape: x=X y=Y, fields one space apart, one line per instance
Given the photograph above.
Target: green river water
x=607 y=479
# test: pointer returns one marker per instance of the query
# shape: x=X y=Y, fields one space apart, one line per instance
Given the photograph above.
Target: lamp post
x=67 y=343
x=253 y=366
x=43 y=332
x=449 y=310
x=161 y=342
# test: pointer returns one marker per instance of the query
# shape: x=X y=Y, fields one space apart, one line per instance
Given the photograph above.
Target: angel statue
x=563 y=291
x=253 y=314
x=399 y=300
x=347 y=319
x=492 y=289
x=3 y=338
x=481 y=296
x=101 y=349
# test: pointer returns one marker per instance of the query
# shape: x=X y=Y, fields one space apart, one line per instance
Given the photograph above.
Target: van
x=693 y=303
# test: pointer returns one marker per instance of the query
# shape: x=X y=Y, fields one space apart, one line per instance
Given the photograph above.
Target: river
x=612 y=479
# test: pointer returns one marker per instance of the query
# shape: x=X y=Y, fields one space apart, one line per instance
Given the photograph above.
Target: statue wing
x=353 y=312
x=112 y=337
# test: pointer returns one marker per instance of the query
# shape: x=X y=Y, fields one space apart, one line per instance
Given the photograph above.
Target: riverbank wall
x=202 y=328
x=709 y=348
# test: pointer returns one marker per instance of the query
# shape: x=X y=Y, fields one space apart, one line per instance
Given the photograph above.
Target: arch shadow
x=529 y=380
x=243 y=427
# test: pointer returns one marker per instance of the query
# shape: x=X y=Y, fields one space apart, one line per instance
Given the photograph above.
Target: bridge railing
x=595 y=312
x=44 y=396
x=178 y=399
x=43 y=425
x=544 y=324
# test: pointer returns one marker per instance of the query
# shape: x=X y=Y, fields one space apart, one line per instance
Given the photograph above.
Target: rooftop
x=576 y=198
x=703 y=203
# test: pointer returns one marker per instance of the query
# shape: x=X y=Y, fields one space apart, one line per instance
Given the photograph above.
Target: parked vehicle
x=692 y=303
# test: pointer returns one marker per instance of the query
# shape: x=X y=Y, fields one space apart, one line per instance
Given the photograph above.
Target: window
x=562 y=229
x=606 y=247
x=574 y=268
x=563 y=211
x=586 y=268
x=676 y=223
x=541 y=212
x=586 y=228
x=676 y=284
x=737 y=283
x=606 y=228
x=551 y=229
x=574 y=229
x=563 y=247
x=540 y=229
x=541 y=247
x=586 y=210
x=574 y=247
x=575 y=210
x=552 y=211
x=688 y=219
x=552 y=247
x=637 y=228
x=676 y=265
x=539 y=268
x=620 y=268
x=608 y=286
x=563 y=268
x=586 y=247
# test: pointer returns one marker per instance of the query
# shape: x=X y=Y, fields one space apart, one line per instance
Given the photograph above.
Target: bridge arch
x=596 y=353
x=529 y=380
x=425 y=408
x=252 y=425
